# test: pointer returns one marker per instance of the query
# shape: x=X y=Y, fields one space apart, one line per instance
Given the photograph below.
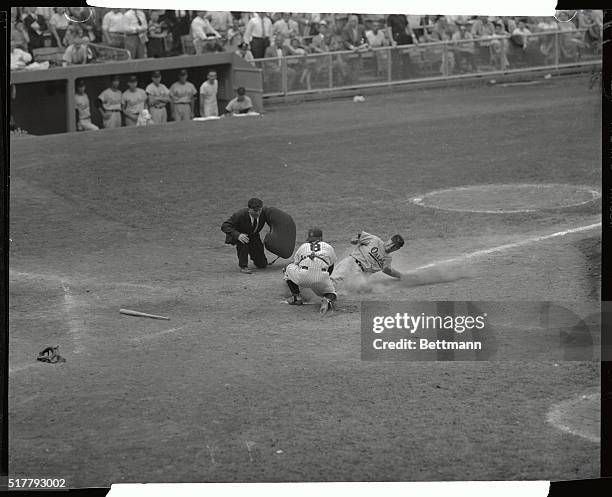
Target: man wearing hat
x=133 y=101
x=182 y=97
x=109 y=104
x=369 y=255
x=81 y=101
x=242 y=229
x=158 y=97
x=311 y=268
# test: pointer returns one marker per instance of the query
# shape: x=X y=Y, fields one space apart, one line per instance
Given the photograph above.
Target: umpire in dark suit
x=242 y=229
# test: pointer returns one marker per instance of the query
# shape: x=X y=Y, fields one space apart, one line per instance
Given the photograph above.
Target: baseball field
x=238 y=386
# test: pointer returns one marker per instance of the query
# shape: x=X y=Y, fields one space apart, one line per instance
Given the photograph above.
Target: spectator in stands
x=320 y=41
x=258 y=34
x=113 y=28
x=235 y=37
x=377 y=38
x=446 y=58
x=340 y=66
x=529 y=49
x=109 y=104
x=464 y=49
x=19 y=58
x=499 y=47
x=83 y=17
x=78 y=52
x=135 y=25
x=547 y=41
x=45 y=12
x=273 y=68
x=287 y=27
x=570 y=41
x=19 y=34
x=222 y=22
x=157 y=34
x=36 y=26
x=244 y=52
x=158 y=97
x=592 y=21
x=83 y=112
x=58 y=25
x=483 y=29
x=73 y=32
x=182 y=98
x=205 y=37
x=208 y=96
x=354 y=35
x=241 y=104
x=299 y=65
x=133 y=101
x=520 y=35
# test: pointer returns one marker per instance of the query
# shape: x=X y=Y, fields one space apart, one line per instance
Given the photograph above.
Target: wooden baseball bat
x=129 y=312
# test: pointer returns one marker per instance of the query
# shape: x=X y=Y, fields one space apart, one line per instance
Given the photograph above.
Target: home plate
x=305 y=303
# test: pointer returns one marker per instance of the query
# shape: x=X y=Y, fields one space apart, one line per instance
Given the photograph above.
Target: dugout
x=43 y=101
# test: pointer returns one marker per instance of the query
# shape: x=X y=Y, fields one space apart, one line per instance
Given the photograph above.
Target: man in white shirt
x=221 y=22
x=286 y=26
x=377 y=38
x=113 y=28
x=136 y=29
x=258 y=34
x=205 y=37
x=77 y=53
x=19 y=57
x=208 y=96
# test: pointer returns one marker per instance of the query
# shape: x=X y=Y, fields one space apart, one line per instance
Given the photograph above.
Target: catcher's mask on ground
x=314 y=234
x=394 y=243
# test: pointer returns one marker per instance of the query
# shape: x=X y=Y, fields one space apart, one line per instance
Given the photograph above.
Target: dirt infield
x=239 y=387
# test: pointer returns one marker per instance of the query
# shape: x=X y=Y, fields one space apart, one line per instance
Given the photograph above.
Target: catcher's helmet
x=314 y=234
x=398 y=241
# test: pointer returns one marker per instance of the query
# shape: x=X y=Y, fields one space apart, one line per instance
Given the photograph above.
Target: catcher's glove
x=50 y=354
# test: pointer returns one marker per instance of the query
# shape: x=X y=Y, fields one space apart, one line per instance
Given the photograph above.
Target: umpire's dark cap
x=255 y=203
x=183 y=72
x=115 y=77
x=156 y=74
x=314 y=234
x=133 y=79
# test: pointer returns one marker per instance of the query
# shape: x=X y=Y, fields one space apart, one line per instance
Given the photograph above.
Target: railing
x=316 y=72
x=105 y=53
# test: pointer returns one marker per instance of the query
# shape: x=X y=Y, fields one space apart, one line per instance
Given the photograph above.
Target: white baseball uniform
x=310 y=267
x=367 y=257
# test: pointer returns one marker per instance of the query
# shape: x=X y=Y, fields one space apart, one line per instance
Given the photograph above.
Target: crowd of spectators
x=255 y=35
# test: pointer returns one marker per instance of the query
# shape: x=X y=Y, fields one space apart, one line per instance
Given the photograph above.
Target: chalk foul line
x=509 y=246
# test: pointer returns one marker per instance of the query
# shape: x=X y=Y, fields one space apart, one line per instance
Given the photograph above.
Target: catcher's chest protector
x=281 y=238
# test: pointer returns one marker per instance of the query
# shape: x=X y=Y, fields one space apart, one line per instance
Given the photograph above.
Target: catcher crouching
x=312 y=267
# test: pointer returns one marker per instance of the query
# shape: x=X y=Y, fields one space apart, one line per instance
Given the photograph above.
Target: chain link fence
x=330 y=71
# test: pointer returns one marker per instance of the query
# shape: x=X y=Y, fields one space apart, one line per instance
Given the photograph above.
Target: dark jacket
x=240 y=222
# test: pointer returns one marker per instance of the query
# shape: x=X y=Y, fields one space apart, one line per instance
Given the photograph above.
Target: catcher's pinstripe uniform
x=310 y=267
